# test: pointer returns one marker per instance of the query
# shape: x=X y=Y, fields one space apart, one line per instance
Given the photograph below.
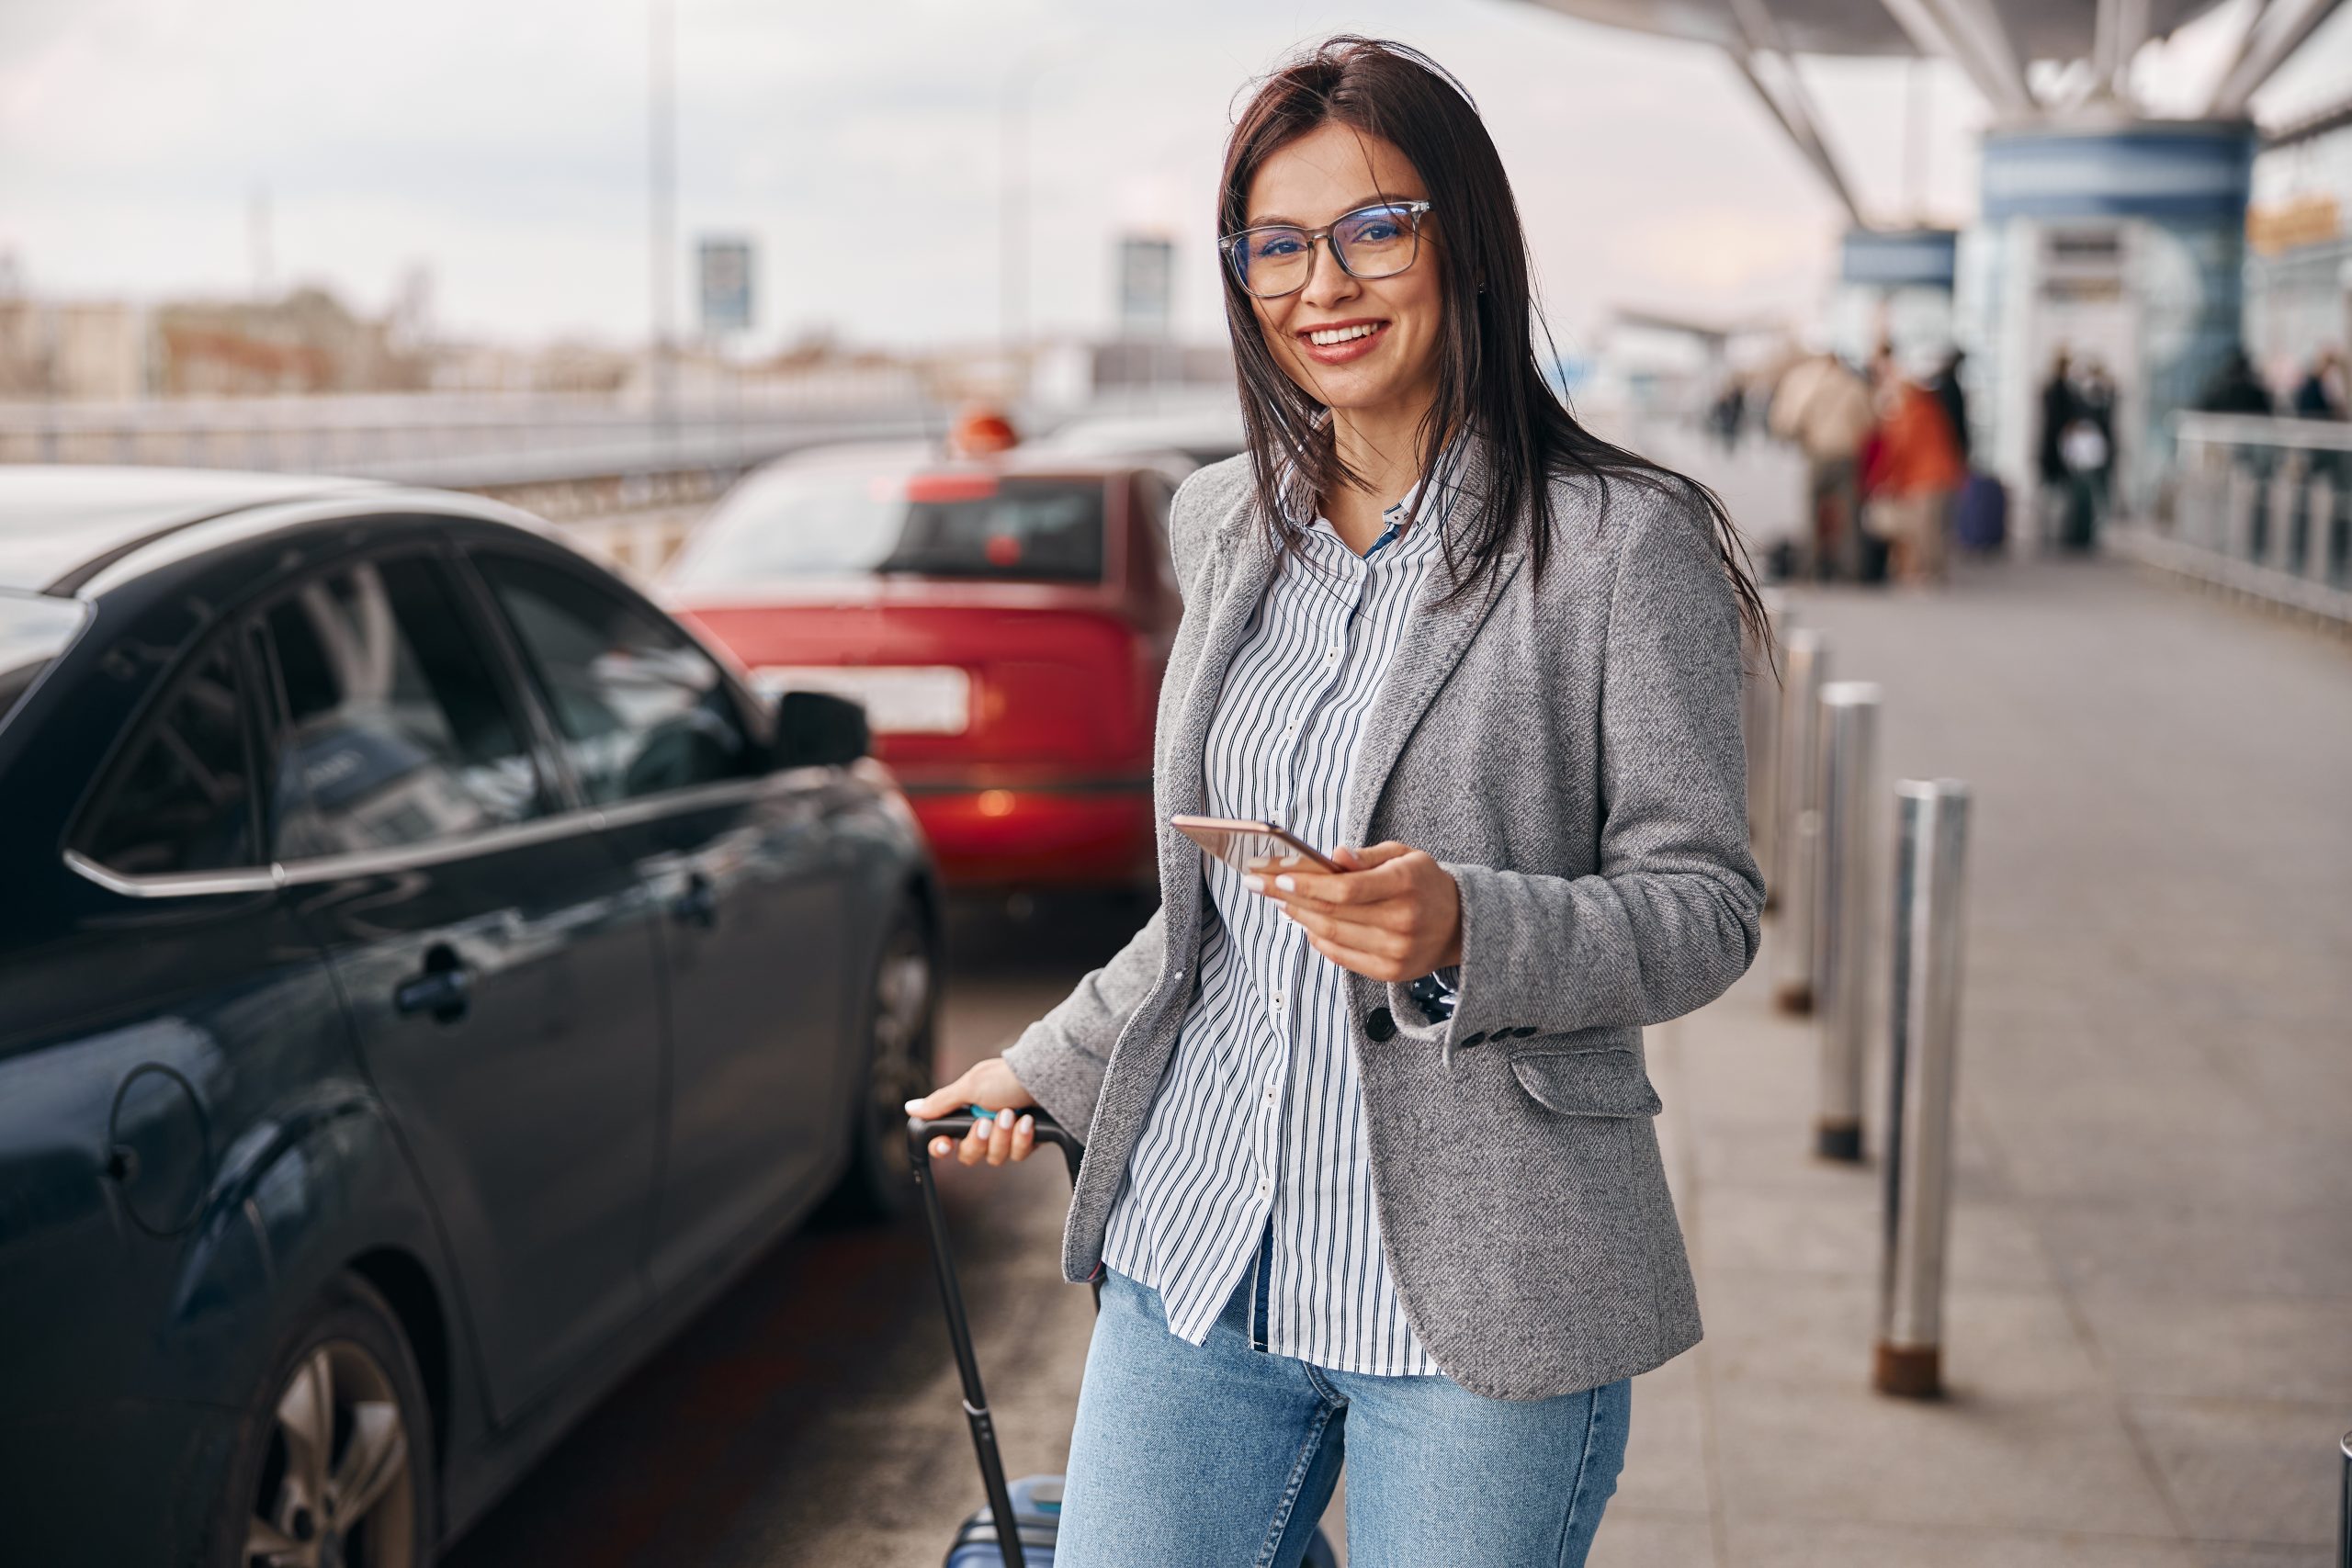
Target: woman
x=1369 y=1153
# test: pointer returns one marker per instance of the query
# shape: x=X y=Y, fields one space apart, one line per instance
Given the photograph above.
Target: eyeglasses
x=1276 y=259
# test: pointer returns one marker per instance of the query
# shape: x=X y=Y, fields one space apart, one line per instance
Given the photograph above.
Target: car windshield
x=34 y=629
x=970 y=525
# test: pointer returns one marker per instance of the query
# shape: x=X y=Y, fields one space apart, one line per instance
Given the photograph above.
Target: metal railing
x=461 y=441
x=2258 y=506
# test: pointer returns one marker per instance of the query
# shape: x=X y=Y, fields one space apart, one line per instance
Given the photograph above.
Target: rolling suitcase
x=1982 y=521
x=1034 y=1503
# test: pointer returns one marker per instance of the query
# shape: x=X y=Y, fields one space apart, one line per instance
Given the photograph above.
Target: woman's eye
x=1278 y=245
x=1376 y=229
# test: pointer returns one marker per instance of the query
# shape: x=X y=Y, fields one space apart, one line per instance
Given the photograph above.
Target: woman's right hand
x=991 y=1086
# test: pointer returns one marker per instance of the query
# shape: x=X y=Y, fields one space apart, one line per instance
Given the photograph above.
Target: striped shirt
x=1254 y=1158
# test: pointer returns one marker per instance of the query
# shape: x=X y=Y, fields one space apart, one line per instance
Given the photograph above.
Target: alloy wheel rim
x=901 y=1003
x=335 y=1489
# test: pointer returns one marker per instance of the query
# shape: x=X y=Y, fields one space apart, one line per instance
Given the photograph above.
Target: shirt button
x=1265 y=1186
x=1290 y=731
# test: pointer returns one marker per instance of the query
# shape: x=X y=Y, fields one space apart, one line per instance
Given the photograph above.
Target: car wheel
x=901 y=1003
x=335 y=1466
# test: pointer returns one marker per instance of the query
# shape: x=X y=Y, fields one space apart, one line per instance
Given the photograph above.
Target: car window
x=182 y=798
x=394 y=732
x=34 y=629
x=641 y=707
x=952 y=525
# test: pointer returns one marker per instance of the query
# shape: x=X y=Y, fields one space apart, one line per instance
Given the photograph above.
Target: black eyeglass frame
x=1414 y=210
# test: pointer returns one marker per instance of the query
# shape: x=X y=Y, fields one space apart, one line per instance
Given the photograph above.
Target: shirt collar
x=1299 y=510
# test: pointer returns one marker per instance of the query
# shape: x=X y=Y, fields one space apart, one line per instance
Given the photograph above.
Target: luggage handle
x=920 y=1131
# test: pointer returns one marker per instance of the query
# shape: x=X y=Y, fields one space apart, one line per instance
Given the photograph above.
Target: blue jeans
x=1226 y=1455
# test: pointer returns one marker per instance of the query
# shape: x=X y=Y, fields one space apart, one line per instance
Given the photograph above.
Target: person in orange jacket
x=1913 y=475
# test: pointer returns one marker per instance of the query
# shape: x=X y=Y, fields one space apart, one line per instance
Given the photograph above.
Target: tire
x=347 y=1358
x=897 y=1064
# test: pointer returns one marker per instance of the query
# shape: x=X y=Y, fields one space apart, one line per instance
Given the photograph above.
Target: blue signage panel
x=726 y=273
x=2184 y=170
x=1907 y=258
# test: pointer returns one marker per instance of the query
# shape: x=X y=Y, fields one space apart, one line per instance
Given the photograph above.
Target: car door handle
x=442 y=990
x=699 y=904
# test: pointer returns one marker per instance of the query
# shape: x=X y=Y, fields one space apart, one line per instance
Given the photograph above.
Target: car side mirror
x=818 y=729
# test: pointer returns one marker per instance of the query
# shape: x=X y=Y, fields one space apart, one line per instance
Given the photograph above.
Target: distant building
x=75 y=349
x=307 y=342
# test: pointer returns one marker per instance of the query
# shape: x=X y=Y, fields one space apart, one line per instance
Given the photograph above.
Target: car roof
x=59 y=521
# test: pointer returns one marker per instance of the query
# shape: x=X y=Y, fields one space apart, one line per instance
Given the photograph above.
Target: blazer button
x=1464 y=1043
x=1380 y=1025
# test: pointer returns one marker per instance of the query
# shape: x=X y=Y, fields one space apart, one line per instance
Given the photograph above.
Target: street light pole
x=661 y=214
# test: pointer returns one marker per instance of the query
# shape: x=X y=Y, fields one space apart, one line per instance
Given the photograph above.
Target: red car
x=1004 y=619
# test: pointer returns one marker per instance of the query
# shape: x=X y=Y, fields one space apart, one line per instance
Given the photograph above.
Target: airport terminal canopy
x=2036 y=29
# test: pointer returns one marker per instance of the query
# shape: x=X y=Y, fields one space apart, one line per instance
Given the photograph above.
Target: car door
x=499 y=968
x=155 y=1001
x=749 y=882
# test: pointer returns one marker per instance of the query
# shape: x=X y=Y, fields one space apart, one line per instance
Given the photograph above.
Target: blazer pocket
x=1588 y=1083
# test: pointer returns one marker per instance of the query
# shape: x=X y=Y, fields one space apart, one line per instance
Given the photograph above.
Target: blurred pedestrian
x=1914 y=476
x=2060 y=407
x=1944 y=383
x=1429 y=613
x=2235 y=389
x=2095 y=400
x=1728 y=413
x=2321 y=393
x=1825 y=408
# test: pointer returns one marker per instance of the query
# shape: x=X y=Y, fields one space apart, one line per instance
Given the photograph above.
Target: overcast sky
x=501 y=145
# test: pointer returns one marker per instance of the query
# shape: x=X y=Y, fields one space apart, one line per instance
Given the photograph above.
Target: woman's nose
x=1327 y=281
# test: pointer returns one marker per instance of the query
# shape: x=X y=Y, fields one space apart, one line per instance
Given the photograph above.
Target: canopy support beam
x=1784 y=94
x=2275 y=32
x=1941 y=29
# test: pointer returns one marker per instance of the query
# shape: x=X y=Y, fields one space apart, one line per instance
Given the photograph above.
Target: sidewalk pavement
x=2149 y=1318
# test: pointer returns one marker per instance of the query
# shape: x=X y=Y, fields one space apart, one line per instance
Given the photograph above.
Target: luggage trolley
x=1034 y=1502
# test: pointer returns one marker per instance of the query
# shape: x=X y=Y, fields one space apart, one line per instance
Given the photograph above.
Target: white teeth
x=1330 y=335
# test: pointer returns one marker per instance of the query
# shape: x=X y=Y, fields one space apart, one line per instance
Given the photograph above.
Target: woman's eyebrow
x=1268 y=219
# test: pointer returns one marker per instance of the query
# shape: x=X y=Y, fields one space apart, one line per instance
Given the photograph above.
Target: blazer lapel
x=1434 y=646
x=1243 y=566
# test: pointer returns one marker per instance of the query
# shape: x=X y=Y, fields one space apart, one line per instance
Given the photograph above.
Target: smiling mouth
x=1347 y=332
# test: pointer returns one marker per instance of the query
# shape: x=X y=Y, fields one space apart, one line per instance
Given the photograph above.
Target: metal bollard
x=1842 y=910
x=2344 y=1509
x=1924 y=1019
x=1762 y=717
x=1799 y=835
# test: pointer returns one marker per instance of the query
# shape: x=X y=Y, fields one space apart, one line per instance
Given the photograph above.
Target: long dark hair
x=1490 y=381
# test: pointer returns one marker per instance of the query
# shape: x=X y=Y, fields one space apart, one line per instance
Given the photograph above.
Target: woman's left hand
x=1391 y=913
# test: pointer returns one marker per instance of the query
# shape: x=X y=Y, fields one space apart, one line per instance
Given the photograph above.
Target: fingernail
x=939 y=1145
x=912 y=1106
x=1255 y=883
x=1287 y=883
x=1027 y=1124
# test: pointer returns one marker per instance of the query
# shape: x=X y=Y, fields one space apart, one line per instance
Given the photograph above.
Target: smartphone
x=1238 y=841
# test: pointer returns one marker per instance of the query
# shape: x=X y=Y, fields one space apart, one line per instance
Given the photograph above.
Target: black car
x=427 y=973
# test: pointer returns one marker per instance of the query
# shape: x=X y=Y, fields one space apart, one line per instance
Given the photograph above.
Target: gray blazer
x=1570 y=751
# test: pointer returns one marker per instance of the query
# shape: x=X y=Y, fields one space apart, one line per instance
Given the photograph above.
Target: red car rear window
x=1014 y=527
